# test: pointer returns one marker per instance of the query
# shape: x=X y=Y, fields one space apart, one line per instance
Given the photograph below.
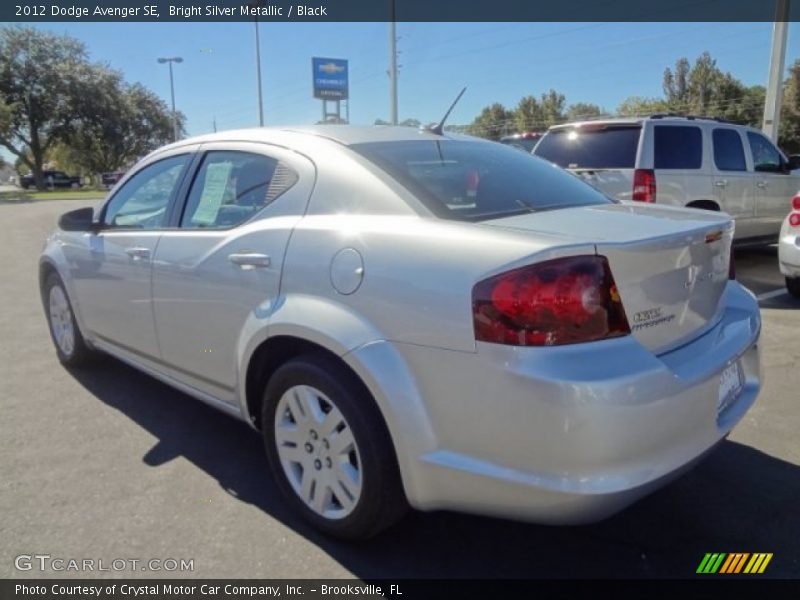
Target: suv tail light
x=644 y=185
x=560 y=301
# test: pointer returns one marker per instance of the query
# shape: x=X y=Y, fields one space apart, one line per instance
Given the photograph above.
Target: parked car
x=110 y=179
x=523 y=141
x=52 y=179
x=789 y=248
x=682 y=161
x=540 y=352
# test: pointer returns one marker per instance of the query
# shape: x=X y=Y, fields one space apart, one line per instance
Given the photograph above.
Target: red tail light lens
x=794 y=220
x=644 y=185
x=796 y=202
x=561 y=301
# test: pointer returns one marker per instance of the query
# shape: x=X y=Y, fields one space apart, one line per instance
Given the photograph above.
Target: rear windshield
x=466 y=180
x=601 y=148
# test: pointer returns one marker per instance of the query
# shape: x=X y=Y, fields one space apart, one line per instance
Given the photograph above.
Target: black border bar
x=405 y=10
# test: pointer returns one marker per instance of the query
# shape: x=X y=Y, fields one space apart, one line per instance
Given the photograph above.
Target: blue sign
x=330 y=78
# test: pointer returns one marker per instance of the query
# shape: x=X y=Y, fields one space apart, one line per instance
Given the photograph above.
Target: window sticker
x=216 y=183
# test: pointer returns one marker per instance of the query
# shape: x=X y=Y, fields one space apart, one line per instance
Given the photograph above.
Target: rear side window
x=728 y=150
x=231 y=187
x=677 y=147
x=478 y=180
x=591 y=147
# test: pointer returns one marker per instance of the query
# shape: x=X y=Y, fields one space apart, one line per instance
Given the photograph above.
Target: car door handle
x=721 y=183
x=138 y=253
x=249 y=260
x=762 y=184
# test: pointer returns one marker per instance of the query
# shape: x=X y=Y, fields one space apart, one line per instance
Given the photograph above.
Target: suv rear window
x=677 y=147
x=592 y=147
x=472 y=181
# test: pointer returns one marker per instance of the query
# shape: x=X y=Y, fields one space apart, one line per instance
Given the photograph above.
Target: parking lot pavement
x=108 y=463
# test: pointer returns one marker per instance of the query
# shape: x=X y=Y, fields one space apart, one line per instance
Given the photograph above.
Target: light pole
x=392 y=65
x=174 y=59
x=258 y=4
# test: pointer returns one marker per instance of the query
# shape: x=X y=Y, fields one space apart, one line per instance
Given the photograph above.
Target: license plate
x=731 y=383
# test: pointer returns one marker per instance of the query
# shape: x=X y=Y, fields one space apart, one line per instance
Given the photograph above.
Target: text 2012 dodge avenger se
x=412 y=318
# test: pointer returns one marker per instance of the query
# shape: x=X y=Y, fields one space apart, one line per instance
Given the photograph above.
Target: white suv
x=685 y=161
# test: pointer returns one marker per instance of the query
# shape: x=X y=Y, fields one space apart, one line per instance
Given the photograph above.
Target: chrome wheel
x=61 y=323
x=318 y=452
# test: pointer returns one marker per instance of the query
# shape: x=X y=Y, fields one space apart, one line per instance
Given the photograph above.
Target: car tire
x=329 y=449
x=71 y=348
x=793 y=285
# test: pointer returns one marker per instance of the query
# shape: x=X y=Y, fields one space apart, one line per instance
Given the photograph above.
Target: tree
x=790 y=111
x=119 y=123
x=528 y=114
x=410 y=123
x=582 y=110
x=636 y=106
x=552 y=104
x=493 y=122
x=37 y=92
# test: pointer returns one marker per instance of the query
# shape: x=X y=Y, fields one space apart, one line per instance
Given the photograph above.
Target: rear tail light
x=796 y=202
x=644 y=185
x=794 y=220
x=561 y=301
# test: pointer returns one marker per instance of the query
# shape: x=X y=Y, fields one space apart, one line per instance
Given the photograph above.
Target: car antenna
x=439 y=128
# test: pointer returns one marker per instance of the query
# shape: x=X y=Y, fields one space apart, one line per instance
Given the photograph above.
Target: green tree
x=410 y=123
x=493 y=122
x=583 y=110
x=636 y=106
x=789 y=137
x=118 y=124
x=38 y=91
x=552 y=104
x=528 y=114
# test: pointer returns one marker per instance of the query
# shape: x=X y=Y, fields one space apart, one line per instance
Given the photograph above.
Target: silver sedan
x=415 y=319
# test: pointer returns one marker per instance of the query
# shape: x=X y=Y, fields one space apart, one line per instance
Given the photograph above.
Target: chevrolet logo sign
x=331 y=68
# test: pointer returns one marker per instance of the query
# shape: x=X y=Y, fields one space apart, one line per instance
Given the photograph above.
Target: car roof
x=666 y=118
x=341 y=134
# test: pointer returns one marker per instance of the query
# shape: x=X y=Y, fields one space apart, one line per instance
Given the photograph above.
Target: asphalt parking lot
x=108 y=463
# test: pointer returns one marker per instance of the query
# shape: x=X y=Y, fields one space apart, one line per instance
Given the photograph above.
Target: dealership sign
x=330 y=78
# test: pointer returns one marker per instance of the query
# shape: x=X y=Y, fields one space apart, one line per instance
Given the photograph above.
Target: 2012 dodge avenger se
x=415 y=318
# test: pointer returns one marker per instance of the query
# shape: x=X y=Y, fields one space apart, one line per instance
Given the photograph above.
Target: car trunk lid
x=670 y=265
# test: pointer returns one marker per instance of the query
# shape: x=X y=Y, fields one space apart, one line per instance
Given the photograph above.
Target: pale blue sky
x=601 y=63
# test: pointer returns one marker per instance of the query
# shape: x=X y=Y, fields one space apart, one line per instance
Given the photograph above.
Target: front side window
x=231 y=187
x=142 y=202
x=765 y=156
x=478 y=180
x=677 y=147
x=728 y=150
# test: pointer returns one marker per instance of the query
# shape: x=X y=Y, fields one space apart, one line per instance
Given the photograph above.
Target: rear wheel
x=70 y=345
x=793 y=285
x=329 y=449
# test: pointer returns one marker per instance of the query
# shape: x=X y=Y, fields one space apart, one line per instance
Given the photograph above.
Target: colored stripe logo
x=734 y=563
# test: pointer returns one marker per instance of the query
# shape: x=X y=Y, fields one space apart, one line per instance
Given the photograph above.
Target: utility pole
x=258 y=4
x=772 y=106
x=174 y=59
x=392 y=65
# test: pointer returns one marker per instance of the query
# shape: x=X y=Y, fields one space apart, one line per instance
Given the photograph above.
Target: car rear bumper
x=569 y=434
x=789 y=253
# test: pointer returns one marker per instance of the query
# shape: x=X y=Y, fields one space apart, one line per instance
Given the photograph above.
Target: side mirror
x=81 y=219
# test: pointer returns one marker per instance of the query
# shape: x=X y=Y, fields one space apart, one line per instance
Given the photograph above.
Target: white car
x=682 y=161
x=789 y=248
x=410 y=317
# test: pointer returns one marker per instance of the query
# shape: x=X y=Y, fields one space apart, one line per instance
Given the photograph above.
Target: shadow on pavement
x=737 y=500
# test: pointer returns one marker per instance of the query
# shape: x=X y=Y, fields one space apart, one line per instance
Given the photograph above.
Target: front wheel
x=793 y=285
x=70 y=345
x=329 y=449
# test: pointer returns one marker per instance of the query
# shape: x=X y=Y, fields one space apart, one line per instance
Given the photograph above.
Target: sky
x=601 y=63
